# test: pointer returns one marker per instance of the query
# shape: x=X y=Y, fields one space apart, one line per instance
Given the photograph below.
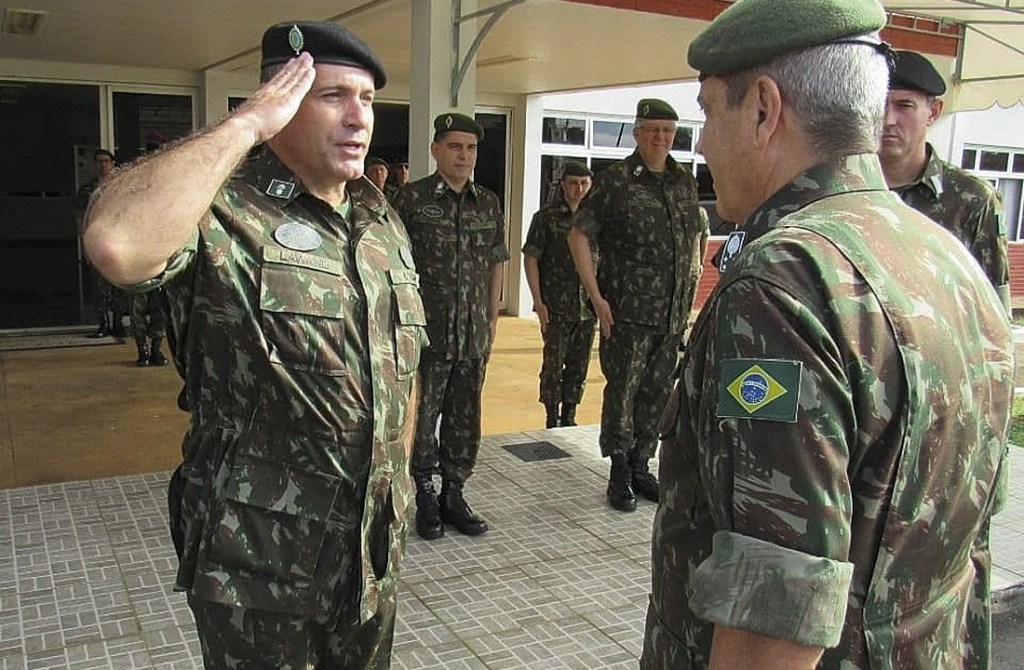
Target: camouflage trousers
x=449 y=390
x=148 y=317
x=249 y=639
x=638 y=365
x=107 y=299
x=567 y=347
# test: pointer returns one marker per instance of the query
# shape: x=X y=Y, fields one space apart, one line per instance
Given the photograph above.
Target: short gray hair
x=838 y=92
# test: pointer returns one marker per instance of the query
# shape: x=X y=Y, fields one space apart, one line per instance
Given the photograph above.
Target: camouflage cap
x=753 y=32
x=652 y=108
x=326 y=42
x=575 y=169
x=913 y=72
x=455 y=122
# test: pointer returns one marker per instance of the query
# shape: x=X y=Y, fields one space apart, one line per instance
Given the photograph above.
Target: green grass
x=1017 y=422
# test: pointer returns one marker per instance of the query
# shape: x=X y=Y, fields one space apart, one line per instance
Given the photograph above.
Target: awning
x=989 y=66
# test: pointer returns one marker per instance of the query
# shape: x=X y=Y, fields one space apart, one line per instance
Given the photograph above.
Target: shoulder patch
x=751 y=388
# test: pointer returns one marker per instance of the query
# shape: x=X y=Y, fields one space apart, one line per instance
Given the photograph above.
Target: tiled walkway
x=559 y=582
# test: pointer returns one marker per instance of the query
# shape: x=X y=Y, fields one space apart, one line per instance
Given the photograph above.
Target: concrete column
x=433 y=61
x=530 y=192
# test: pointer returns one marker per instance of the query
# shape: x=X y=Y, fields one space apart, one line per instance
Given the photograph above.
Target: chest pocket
x=410 y=321
x=302 y=311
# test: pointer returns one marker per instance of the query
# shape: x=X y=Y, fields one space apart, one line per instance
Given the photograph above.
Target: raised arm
x=146 y=213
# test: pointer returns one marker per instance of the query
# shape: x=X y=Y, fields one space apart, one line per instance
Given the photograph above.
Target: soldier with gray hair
x=297 y=326
x=832 y=445
x=643 y=215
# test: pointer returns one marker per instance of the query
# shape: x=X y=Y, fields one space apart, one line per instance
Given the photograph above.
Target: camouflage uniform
x=839 y=423
x=148 y=319
x=649 y=229
x=569 y=337
x=970 y=209
x=297 y=329
x=456 y=239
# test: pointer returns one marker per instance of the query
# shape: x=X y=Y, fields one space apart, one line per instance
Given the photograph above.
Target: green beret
x=326 y=42
x=652 y=108
x=754 y=32
x=575 y=169
x=913 y=72
x=455 y=122
x=373 y=160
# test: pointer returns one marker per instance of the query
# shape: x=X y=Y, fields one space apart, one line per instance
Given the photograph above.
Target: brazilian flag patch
x=752 y=388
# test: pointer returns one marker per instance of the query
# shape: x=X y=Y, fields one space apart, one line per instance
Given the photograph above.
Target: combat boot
x=568 y=417
x=455 y=510
x=143 y=359
x=428 y=515
x=552 y=410
x=620 y=488
x=156 y=353
x=644 y=483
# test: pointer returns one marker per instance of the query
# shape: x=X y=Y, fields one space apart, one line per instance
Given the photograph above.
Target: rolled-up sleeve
x=771 y=590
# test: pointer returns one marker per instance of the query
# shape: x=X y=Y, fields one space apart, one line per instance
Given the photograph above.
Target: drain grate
x=536 y=451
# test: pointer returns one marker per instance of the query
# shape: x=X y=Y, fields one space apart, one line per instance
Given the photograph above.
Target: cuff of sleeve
x=763 y=588
x=175 y=264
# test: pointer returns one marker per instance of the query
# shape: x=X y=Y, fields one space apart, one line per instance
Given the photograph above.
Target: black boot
x=552 y=409
x=156 y=353
x=143 y=359
x=428 y=515
x=568 y=417
x=620 y=488
x=644 y=483
x=456 y=511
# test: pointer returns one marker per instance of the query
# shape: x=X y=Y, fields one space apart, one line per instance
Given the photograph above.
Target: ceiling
x=537 y=46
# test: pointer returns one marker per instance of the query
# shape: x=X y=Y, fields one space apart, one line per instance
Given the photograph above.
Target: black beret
x=575 y=169
x=652 y=108
x=912 y=71
x=456 y=122
x=754 y=32
x=400 y=160
x=326 y=42
x=373 y=160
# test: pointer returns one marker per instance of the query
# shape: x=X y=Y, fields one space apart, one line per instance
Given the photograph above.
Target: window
x=617 y=134
x=996 y=161
x=970 y=159
x=684 y=139
x=556 y=130
x=1018 y=162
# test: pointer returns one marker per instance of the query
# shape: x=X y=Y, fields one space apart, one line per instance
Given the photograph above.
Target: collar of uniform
x=440 y=187
x=857 y=172
x=264 y=167
x=363 y=192
x=636 y=166
x=931 y=177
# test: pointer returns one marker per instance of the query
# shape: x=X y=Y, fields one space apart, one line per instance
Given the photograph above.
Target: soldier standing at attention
x=567 y=320
x=377 y=172
x=840 y=421
x=458 y=240
x=398 y=176
x=961 y=203
x=652 y=235
x=297 y=324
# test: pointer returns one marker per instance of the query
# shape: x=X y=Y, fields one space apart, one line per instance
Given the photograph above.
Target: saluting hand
x=274 y=104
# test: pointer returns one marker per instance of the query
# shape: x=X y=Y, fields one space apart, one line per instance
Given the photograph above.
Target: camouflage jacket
x=649 y=229
x=833 y=440
x=456 y=239
x=298 y=334
x=967 y=207
x=560 y=286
